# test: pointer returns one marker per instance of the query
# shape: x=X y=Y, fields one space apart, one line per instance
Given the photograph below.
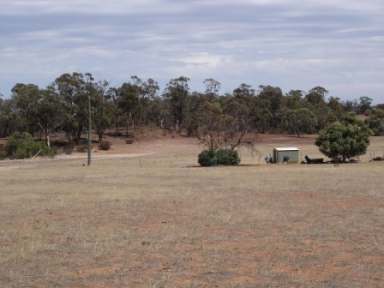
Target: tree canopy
x=343 y=141
x=62 y=107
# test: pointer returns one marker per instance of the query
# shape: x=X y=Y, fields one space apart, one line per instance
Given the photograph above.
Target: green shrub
x=105 y=145
x=341 y=142
x=208 y=158
x=22 y=145
x=375 y=122
x=227 y=157
x=3 y=155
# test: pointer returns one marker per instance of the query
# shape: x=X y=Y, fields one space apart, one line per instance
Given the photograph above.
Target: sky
x=293 y=44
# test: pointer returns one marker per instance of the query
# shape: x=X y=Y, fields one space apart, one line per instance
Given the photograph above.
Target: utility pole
x=89 y=130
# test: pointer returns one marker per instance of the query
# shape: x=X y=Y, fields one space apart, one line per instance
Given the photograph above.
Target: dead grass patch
x=152 y=222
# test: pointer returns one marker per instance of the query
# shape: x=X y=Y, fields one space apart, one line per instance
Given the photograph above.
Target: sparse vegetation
x=22 y=146
x=131 y=221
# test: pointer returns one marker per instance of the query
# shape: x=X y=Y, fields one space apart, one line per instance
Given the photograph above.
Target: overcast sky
x=294 y=44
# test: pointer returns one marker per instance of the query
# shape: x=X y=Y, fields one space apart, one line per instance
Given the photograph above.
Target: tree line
x=62 y=107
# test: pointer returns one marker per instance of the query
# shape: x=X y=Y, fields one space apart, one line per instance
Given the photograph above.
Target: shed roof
x=287 y=149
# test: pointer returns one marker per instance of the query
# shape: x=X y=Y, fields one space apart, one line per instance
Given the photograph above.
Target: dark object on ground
x=286 y=159
x=377 y=159
x=105 y=145
x=268 y=159
x=59 y=143
x=115 y=134
x=130 y=141
x=313 y=160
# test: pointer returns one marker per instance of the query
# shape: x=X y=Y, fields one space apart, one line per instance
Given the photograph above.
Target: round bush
x=224 y=157
x=208 y=158
x=341 y=142
x=105 y=145
x=227 y=157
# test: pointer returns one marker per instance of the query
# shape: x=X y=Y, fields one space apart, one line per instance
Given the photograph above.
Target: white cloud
x=292 y=43
x=86 y=6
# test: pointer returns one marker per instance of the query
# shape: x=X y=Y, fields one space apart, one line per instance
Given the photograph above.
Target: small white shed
x=286 y=155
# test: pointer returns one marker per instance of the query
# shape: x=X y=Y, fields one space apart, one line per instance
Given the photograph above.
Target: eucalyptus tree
x=268 y=110
x=26 y=98
x=316 y=96
x=74 y=90
x=293 y=99
x=365 y=104
x=128 y=100
x=9 y=118
x=176 y=94
x=299 y=121
x=102 y=107
x=212 y=87
x=147 y=93
x=49 y=112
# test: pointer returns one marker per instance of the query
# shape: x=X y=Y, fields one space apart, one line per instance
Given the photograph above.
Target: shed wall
x=292 y=155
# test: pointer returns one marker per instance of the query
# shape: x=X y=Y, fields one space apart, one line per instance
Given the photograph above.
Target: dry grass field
x=156 y=220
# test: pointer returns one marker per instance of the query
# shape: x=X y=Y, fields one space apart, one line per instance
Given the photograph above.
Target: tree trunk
x=127 y=127
x=46 y=136
x=78 y=134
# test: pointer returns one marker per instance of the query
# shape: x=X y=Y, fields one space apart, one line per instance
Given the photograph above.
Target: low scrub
x=105 y=145
x=224 y=157
x=3 y=155
x=227 y=157
x=23 y=146
x=68 y=149
x=82 y=148
x=208 y=158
